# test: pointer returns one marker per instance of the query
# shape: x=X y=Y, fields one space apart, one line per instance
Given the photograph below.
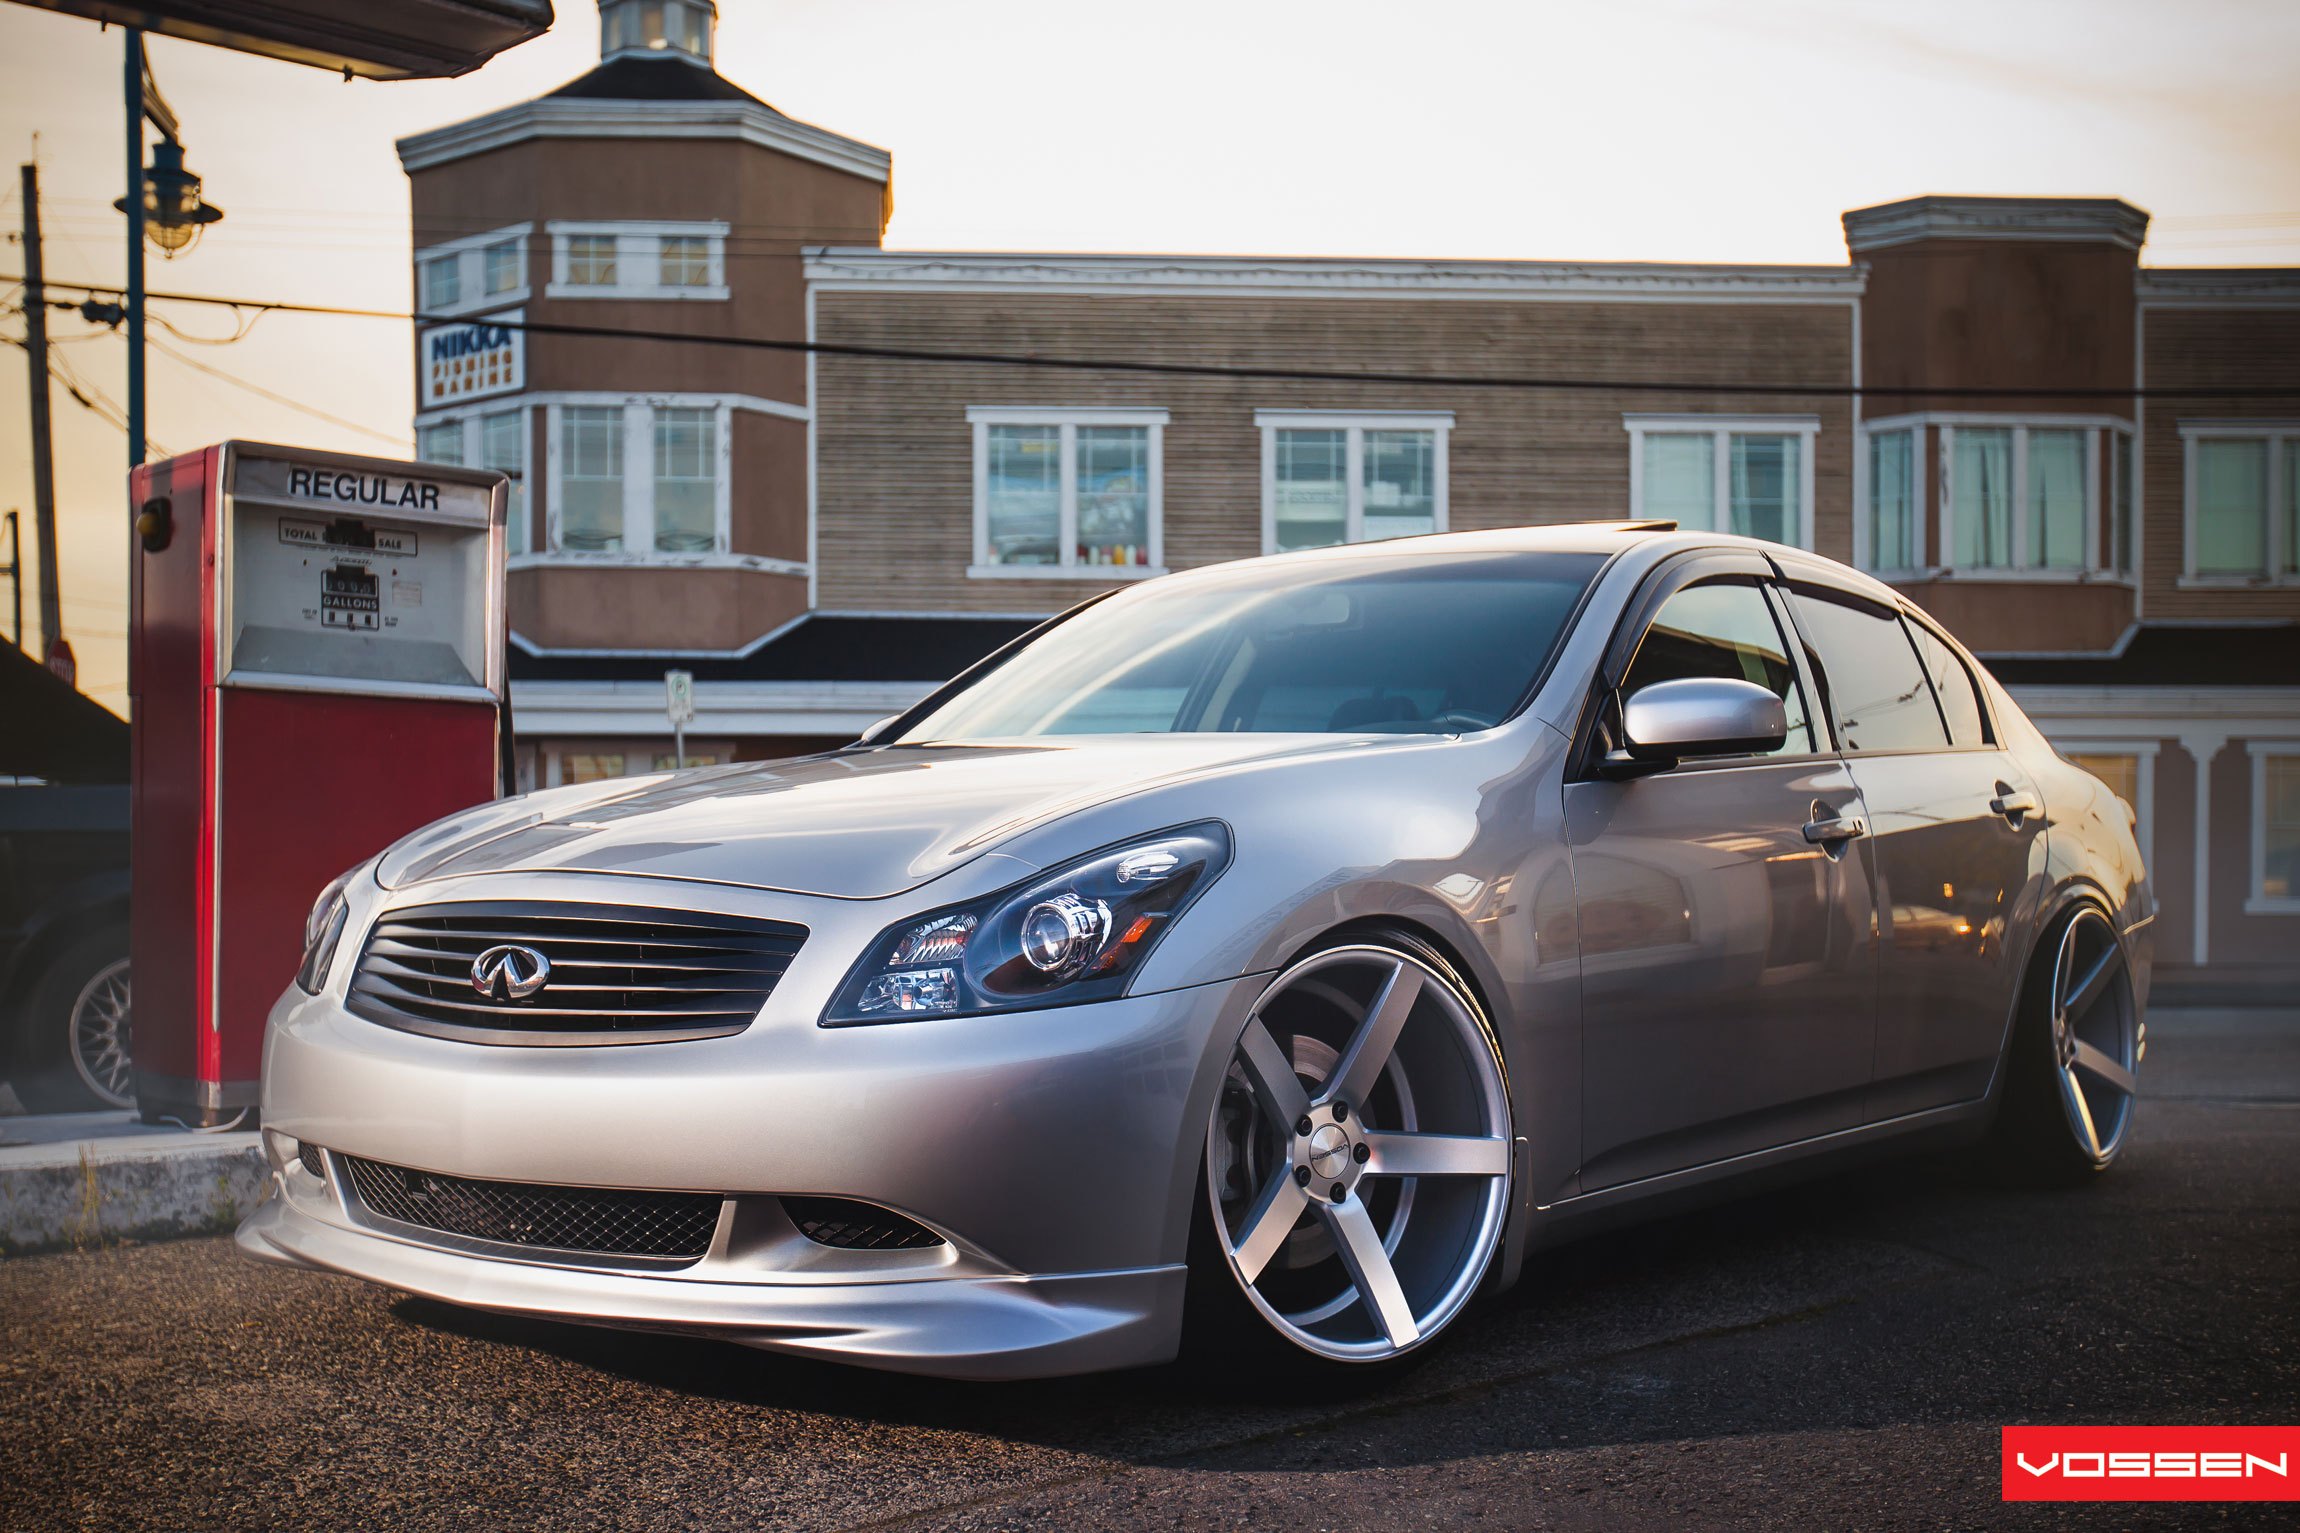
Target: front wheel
x=1357 y=1162
x=76 y=1049
x=2072 y=1074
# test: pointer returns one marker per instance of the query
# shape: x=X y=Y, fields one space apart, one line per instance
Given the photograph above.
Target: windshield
x=1433 y=645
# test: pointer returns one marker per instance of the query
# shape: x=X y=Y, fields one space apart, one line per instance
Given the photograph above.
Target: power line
x=278 y=399
x=1236 y=371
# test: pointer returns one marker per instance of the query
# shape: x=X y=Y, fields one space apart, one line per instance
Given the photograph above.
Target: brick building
x=2128 y=561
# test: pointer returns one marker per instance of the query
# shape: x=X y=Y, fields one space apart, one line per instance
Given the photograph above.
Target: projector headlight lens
x=1077 y=933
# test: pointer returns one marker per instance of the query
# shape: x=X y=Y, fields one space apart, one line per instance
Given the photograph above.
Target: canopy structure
x=377 y=39
x=51 y=730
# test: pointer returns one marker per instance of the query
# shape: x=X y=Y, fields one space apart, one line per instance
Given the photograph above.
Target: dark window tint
x=1724 y=631
x=1412 y=645
x=1953 y=685
x=1876 y=687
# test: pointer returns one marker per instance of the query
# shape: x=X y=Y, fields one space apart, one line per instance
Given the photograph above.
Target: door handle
x=1838 y=829
x=2013 y=804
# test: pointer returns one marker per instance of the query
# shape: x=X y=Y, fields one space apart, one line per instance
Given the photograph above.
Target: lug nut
x=1341 y=1194
x=1361 y=1154
x=1341 y=1112
x=1301 y=1176
x=1302 y=1126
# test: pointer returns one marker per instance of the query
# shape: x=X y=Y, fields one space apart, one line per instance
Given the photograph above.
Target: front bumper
x=1057 y=1152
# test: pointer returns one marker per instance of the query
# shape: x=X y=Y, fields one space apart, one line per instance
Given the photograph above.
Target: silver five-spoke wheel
x=1358 y=1162
x=2097 y=1042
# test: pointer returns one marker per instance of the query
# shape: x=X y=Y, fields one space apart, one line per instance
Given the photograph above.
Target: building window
x=2275 y=829
x=1752 y=476
x=480 y=272
x=1892 y=519
x=656 y=26
x=1351 y=478
x=590 y=260
x=442 y=284
x=686 y=261
x=1067 y=493
x=686 y=479
x=566 y=762
x=638 y=260
x=2017 y=498
x=499 y=266
x=590 y=488
x=440 y=442
x=2243 y=501
x=642 y=478
x=495 y=439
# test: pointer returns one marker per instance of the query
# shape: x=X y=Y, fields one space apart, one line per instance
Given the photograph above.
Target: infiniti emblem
x=510 y=972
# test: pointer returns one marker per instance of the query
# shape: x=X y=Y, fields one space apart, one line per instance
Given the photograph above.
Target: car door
x=1726 y=964
x=1954 y=826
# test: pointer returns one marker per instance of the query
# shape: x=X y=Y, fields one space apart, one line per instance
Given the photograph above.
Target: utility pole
x=134 y=74
x=16 y=578
x=43 y=458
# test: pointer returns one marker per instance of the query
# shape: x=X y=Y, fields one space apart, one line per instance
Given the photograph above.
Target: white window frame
x=638 y=260
x=2276 y=433
x=2257 y=903
x=521 y=537
x=638 y=483
x=471 y=272
x=1722 y=429
x=1356 y=423
x=2101 y=431
x=2143 y=781
x=980 y=418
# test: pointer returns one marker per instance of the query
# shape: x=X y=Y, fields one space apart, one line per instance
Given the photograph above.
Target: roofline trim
x=562 y=117
x=864 y=268
x=2218 y=287
x=2082 y=220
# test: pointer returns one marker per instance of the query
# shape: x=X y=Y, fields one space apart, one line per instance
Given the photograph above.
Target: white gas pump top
x=361 y=575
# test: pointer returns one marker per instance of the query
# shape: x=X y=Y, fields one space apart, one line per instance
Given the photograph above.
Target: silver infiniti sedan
x=1264 y=959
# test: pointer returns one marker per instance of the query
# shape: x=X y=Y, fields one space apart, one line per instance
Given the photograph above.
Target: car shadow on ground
x=1613 y=1293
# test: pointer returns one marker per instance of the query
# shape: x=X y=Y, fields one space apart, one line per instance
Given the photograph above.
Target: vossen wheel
x=2073 y=1072
x=1357 y=1158
x=75 y=1044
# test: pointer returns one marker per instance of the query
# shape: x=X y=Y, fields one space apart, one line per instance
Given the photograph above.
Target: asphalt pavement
x=1839 y=1355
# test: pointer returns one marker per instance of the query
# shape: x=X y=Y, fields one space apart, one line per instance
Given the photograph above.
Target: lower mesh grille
x=853 y=1226
x=313 y=1157
x=591 y=1221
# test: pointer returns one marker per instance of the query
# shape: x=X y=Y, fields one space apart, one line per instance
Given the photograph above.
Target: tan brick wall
x=2207 y=348
x=895 y=452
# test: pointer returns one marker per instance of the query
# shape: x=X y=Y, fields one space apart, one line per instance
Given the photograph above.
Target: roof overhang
x=2085 y=220
x=379 y=39
x=559 y=117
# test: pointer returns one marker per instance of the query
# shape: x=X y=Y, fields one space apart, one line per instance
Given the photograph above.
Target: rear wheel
x=75 y=1053
x=1357 y=1163
x=2073 y=1072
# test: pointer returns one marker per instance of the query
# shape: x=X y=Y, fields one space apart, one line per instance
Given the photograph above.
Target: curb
x=96 y=1192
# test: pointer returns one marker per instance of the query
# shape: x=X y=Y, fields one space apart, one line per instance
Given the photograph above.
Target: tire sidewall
x=44 y=1075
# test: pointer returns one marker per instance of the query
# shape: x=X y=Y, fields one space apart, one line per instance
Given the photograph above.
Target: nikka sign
x=471 y=359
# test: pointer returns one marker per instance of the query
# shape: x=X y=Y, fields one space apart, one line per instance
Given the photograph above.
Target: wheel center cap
x=1329 y=1151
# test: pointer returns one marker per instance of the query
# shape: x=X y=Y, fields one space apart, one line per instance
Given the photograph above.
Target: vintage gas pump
x=316 y=667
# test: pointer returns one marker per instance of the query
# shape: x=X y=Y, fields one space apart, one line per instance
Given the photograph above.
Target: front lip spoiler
x=962 y=1327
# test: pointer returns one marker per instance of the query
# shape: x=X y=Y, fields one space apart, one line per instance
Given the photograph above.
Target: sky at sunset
x=1662 y=130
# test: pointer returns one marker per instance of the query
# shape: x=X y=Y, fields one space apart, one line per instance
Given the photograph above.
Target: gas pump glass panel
x=1299 y=936
x=373 y=574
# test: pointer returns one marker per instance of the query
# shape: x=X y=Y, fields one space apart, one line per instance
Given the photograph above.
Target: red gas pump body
x=316 y=669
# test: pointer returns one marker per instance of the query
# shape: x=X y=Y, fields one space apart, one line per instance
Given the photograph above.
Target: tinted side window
x=1725 y=631
x=1882 y=699
x=1953 y=685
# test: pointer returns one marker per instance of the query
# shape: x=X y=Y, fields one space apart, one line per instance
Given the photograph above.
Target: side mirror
x=870 y=735
x=1699 y=716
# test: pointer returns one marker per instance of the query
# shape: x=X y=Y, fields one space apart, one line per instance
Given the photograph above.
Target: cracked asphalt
x=1838 y=1355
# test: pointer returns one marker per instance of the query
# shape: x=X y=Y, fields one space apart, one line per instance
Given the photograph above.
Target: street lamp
x=174 y=215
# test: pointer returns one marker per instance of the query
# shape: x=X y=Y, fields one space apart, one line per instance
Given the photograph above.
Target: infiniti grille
x=617 y=974
x=590 y=1221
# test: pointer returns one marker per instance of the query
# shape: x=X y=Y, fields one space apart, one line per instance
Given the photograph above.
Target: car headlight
x=1076 y=933
x=322 y=930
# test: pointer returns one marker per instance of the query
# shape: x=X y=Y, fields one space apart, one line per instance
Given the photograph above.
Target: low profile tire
x=2072 y=1073
x=1357 y=1167
x=75 y=1050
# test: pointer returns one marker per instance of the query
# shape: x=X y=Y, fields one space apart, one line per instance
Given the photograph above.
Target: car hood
x=854 y=825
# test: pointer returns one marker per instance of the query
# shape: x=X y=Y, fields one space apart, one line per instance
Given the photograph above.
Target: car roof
x=1648 y=542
